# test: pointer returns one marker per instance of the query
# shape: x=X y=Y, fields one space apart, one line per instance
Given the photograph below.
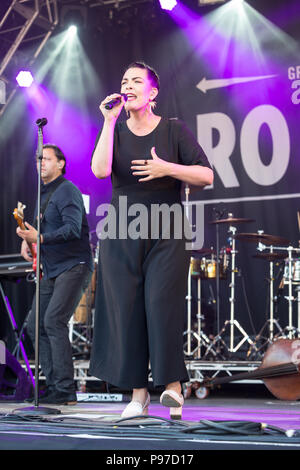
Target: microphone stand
x=36 y=410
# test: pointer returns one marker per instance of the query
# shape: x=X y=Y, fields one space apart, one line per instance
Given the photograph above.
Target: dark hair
x=58 y=153
x=152 y=74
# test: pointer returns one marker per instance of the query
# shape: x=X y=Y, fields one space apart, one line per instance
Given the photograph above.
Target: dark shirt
x=173 y=142
x=64 y=228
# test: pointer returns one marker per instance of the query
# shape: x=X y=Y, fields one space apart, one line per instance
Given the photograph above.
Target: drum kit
x=209 y=264
x=219 y=264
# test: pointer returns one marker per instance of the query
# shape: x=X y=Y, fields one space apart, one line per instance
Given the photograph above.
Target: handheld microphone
x=115 y=101
x=41 y=122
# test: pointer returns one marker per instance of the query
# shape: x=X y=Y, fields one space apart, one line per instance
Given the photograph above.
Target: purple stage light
x=168 y=4
x=24 y=79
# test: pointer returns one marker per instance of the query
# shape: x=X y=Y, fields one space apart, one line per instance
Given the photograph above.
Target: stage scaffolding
x=26 y=26
x=25 y=22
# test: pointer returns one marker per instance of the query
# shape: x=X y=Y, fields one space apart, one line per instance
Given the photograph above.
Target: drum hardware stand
x=219 y=215
x=271 y=326
x=271 y=322
x=199 y=316
x=217 y=340
x=201 y=338
x=233 y=323
x=297 y=289
x=189 y=289
x=189 y=333
x=290 y=298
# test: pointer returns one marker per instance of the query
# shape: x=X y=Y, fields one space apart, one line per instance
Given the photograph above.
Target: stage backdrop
x=232 y=73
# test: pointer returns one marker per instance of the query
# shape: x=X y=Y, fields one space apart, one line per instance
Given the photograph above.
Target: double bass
x=279 y=370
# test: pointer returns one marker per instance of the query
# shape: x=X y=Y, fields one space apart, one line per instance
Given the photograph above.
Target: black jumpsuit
x=141 y=287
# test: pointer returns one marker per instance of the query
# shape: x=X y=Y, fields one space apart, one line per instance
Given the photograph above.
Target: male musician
x=67 y=267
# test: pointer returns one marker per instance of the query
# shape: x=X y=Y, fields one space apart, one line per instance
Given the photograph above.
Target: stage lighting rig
x=26 y=26
x=74 y=15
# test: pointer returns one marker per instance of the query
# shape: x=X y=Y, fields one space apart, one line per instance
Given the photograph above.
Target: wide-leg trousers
x=139 y=315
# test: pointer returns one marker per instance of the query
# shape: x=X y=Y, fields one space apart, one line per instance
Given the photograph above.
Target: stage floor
x=96 y=426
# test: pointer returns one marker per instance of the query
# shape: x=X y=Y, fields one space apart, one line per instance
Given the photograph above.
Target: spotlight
x=24 y=79
x=167 y=4
x=74 y=15
x=72 y=31
x=238 y=4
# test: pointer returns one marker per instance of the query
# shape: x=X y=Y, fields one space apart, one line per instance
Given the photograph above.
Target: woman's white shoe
x=135 y=408
x=174 y=401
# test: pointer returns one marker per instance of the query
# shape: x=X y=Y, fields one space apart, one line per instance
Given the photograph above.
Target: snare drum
x=294 y=275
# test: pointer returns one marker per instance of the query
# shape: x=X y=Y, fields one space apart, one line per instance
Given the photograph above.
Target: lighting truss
x=24 y=22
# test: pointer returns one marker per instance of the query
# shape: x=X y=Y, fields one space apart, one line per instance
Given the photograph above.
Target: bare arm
x=193 y=174
x=103 y=154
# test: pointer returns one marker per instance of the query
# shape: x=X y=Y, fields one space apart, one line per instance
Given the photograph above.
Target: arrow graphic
x=205 y=85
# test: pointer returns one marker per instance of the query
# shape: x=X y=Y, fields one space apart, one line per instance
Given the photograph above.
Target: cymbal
x=271 y=256
x=231 y=220
x=262 y=238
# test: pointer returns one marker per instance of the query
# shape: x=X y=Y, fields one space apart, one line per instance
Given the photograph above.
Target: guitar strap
x=54 y=187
